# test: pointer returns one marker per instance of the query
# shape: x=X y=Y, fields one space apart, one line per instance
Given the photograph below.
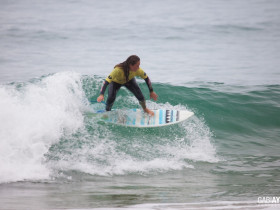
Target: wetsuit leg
x=112 y=93
x=135 y=89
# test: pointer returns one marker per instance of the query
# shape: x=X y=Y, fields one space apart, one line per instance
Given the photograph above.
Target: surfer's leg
x=135 y=89
x=112 y=93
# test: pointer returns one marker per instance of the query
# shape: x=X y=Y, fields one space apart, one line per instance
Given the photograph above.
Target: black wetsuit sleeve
x=149 y=84
x=103 y=89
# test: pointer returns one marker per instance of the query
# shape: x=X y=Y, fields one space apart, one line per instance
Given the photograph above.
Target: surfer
x=124 y=75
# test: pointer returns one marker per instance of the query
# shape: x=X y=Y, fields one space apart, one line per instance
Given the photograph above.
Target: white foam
x=111 y=153
x=38 y=114
x=33 y=117
x=196 y=143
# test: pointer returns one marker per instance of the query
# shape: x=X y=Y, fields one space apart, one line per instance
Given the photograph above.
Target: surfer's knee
x=139 y=95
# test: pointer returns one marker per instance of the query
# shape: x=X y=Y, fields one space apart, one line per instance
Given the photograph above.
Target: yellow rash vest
x=117 y=75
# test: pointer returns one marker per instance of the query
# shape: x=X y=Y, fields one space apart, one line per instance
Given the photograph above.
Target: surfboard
x=137 y=118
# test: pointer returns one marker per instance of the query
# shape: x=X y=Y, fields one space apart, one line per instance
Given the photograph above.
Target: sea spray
x=106 y=150
x=48 y=130
x=34 y=116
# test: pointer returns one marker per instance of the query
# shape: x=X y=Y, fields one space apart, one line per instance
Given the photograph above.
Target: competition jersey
x=117 y=75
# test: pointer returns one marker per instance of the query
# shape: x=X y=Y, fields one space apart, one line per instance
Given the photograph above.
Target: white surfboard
x=137 y=118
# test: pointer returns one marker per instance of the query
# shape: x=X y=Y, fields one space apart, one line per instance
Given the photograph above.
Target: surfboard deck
x=137 y=118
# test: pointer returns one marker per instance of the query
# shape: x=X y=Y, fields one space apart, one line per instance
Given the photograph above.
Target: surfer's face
x=134 y=67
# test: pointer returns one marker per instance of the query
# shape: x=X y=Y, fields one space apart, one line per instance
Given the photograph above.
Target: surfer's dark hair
x=131 y=60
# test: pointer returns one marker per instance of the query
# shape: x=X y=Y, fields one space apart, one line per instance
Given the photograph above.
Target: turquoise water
x=52 y=145
x=218 y=60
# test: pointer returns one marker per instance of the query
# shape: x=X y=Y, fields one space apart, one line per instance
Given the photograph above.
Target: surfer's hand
x=153 y=95
x=100 y=98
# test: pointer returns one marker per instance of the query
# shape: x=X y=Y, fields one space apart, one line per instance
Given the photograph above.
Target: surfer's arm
x=153 y=95
x=144 y=76
x=104 y=86
x=106 y=82
x=149 y=84
x=102 y=91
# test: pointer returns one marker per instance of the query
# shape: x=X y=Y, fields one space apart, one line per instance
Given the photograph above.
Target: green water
x=228 y=151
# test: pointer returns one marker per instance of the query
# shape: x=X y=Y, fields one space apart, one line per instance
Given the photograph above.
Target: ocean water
x=218 y=59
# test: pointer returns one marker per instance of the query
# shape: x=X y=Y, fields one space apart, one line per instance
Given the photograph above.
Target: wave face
x=47 y=130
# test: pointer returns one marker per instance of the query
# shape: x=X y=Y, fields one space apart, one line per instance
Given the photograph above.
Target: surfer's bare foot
x=150 y=112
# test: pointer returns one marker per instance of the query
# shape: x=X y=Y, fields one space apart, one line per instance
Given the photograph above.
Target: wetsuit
x=117 y=79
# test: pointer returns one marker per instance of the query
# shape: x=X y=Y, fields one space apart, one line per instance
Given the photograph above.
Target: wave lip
x=46 y=132
x=33 y=117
